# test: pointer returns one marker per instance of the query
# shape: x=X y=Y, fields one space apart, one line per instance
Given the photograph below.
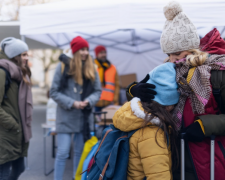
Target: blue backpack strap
x=129 y=134
x=107 y=131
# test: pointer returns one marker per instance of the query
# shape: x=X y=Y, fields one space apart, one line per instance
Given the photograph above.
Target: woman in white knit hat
x=200 y=72
x=15 y=108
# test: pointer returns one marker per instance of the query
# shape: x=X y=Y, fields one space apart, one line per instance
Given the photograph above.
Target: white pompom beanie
x=179 y=33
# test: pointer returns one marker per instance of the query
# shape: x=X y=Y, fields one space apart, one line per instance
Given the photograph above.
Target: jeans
x=63 y=149
x=12 y=170
x=98 y=109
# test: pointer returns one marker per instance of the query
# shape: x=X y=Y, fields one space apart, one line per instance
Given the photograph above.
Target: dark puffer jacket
x=12 y=144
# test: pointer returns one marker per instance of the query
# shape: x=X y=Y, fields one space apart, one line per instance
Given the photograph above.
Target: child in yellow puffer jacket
x=153 y=145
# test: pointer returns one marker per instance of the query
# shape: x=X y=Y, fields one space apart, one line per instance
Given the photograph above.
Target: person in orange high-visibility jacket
x=109 y=79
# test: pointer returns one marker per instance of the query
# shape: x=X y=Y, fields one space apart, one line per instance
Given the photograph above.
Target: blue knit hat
x=164 y=78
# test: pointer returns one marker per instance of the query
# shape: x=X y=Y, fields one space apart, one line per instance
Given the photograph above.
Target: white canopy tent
x=12 y=29
x=130 y=29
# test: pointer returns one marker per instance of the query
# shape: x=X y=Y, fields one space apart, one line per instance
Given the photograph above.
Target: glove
x=144 y=90
x=193 y=133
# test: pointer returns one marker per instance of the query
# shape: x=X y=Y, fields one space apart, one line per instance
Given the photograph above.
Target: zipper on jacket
x=221 y=148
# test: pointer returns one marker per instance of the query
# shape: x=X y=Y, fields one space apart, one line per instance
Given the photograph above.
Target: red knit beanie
x=78 y=43
x=98 y=49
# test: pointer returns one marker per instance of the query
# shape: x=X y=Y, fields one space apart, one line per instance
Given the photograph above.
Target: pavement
x=35 y=169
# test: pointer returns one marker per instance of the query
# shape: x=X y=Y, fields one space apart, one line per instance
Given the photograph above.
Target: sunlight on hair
x=197 y=57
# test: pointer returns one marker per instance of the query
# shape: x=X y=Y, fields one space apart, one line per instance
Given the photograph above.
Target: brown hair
x=25 y=70
x=167 y=124
x=76 y=70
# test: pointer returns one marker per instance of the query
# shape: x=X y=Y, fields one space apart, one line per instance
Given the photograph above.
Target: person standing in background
x=76 y=89
x=109 y=79
x=16 y=107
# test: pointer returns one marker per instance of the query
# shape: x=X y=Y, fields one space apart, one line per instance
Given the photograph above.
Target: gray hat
x=13 y=47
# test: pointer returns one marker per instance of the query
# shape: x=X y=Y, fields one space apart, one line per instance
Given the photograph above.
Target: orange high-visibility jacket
x=109 y=89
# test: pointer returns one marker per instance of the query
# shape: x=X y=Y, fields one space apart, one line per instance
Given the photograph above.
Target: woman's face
x=84 y=52
x=24 y=58
x=178 y=55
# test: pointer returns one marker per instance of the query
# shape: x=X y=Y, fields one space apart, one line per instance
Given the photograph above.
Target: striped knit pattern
x=194 y=83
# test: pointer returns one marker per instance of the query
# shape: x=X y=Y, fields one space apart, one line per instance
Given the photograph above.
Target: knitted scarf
x=102 y=67
x=194 y=83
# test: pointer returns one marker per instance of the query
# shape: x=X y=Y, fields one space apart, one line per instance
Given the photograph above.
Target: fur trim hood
x=131 y=116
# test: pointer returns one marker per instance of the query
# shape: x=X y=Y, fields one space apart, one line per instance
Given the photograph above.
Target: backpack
x=8 y=81
x=112 y=155
x=216 y=81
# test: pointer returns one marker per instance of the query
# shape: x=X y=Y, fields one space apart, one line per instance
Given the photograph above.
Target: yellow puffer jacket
x=146 y=157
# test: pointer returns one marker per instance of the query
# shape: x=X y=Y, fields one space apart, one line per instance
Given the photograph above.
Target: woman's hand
x=83 y=104
x=76 y=104
x=193 y=133
x=143 y=90
x=80 y=104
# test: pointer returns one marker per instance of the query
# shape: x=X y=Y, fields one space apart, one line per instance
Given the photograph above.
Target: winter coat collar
x=139 y=111
x=131 y=117
x=213 y=43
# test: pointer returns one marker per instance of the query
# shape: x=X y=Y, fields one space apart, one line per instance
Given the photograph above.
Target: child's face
x=170 y=108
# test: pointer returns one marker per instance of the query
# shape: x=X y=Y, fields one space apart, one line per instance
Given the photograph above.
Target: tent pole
x=23 y=38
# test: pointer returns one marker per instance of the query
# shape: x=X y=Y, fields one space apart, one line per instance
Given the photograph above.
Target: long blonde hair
x=76 y=70
x=196 y=58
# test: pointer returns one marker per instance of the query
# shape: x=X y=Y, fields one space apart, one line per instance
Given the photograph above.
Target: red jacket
x=200 y=152
x=213 y=43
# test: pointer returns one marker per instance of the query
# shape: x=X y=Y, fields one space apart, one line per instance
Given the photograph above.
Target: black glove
x=144 y=90
x=193 y=133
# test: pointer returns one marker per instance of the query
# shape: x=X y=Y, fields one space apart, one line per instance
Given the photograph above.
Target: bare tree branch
x=48 y=58
x=13 y=7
